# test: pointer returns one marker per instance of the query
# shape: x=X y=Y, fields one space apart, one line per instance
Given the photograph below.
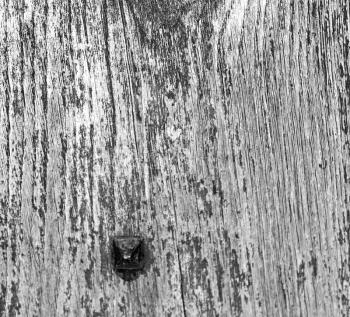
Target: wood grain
x=217 y=130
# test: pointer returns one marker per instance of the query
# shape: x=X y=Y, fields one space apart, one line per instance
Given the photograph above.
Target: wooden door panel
x=218 y=131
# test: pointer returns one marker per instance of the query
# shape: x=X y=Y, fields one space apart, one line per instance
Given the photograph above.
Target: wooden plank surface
x=217 y=130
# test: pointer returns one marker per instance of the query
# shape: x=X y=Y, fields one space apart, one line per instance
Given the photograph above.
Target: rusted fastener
x=129 y=254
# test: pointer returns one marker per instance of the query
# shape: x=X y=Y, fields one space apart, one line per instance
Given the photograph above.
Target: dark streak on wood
x=5 y=161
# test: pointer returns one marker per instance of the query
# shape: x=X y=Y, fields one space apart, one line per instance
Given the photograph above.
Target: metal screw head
x=129 y=253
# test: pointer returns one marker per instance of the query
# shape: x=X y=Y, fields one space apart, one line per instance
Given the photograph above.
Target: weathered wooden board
x=218 y=130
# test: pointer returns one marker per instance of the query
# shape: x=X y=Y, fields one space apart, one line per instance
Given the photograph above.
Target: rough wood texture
x=218 y=130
